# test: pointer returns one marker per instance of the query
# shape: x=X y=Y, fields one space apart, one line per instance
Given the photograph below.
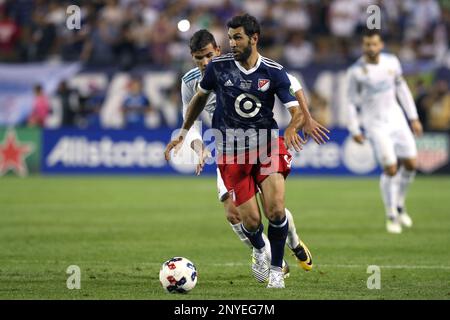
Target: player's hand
x=205 y=154
x=202 y=152
x=174 y=144
x=317 y=131
x=292 y=139
x=416 y=127
x=359 y=138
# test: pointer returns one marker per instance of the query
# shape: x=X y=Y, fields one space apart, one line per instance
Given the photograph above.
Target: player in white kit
x=203 y=49
x=376 y=86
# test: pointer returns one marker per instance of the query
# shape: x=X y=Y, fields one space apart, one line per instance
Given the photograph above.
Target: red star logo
x=13 y=154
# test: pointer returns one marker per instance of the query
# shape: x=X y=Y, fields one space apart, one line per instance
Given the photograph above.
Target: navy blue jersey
x=245 y=98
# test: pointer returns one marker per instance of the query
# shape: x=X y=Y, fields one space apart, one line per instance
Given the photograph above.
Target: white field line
x=385 y=267
x=93 y=263
x=344 y=266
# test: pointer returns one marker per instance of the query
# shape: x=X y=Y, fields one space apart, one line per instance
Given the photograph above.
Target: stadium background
x=147 y=41
x=97 y=193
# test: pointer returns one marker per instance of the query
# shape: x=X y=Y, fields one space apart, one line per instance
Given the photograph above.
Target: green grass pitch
x=120 y=230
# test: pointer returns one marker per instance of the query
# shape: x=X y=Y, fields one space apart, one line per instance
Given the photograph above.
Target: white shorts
x=222 y=190
x=393 y=144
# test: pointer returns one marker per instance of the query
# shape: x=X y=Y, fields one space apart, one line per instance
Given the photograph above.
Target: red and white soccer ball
x=178 y=275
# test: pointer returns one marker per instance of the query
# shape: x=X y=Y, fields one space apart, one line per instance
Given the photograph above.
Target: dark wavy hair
x=201 y=39
x=248 y=22
x=372 y=32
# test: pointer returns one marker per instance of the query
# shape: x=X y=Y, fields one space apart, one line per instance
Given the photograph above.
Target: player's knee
x=232 y=215
x=251 y=223
x=231 y=212
x=410 y=164
x=233 y=219
x=275 y=213
x=390 y=170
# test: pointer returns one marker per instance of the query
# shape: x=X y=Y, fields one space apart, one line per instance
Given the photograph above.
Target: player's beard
x=246 y=52
x=372 y=56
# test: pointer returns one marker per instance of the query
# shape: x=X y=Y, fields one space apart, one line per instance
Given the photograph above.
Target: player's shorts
x=390 y=145
x=222 y=190
x=242 y=180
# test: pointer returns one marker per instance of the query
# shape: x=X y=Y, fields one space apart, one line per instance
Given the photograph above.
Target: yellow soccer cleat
x=303 y=256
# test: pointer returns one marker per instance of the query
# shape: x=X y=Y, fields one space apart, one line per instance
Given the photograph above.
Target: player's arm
x=353 y=121
x=283 y=91
x=291 y=137
x=407 y=102
x=194 y=136
x=194 y=109
x=310 y=126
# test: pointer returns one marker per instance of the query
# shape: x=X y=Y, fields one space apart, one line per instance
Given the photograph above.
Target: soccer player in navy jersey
x=203 y=49
x=245 y=84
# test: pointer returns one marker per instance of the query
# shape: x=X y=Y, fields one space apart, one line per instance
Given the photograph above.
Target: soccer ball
x=178 y=275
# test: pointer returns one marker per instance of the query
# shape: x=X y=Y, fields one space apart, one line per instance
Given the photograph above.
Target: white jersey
x=375 y=88
x=189 y=86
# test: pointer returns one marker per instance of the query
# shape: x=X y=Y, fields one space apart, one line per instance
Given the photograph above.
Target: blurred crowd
x=433 y=105
x=125 y=34
x=137 y=110
x=295 y=32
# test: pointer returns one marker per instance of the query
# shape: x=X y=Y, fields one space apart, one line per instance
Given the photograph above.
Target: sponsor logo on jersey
x=245 y=84
x=247 y=105
x=228 y=83
x=263 y=84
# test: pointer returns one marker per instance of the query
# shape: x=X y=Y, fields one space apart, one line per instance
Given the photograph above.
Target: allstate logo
x=358 y=158
x=247 y=105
